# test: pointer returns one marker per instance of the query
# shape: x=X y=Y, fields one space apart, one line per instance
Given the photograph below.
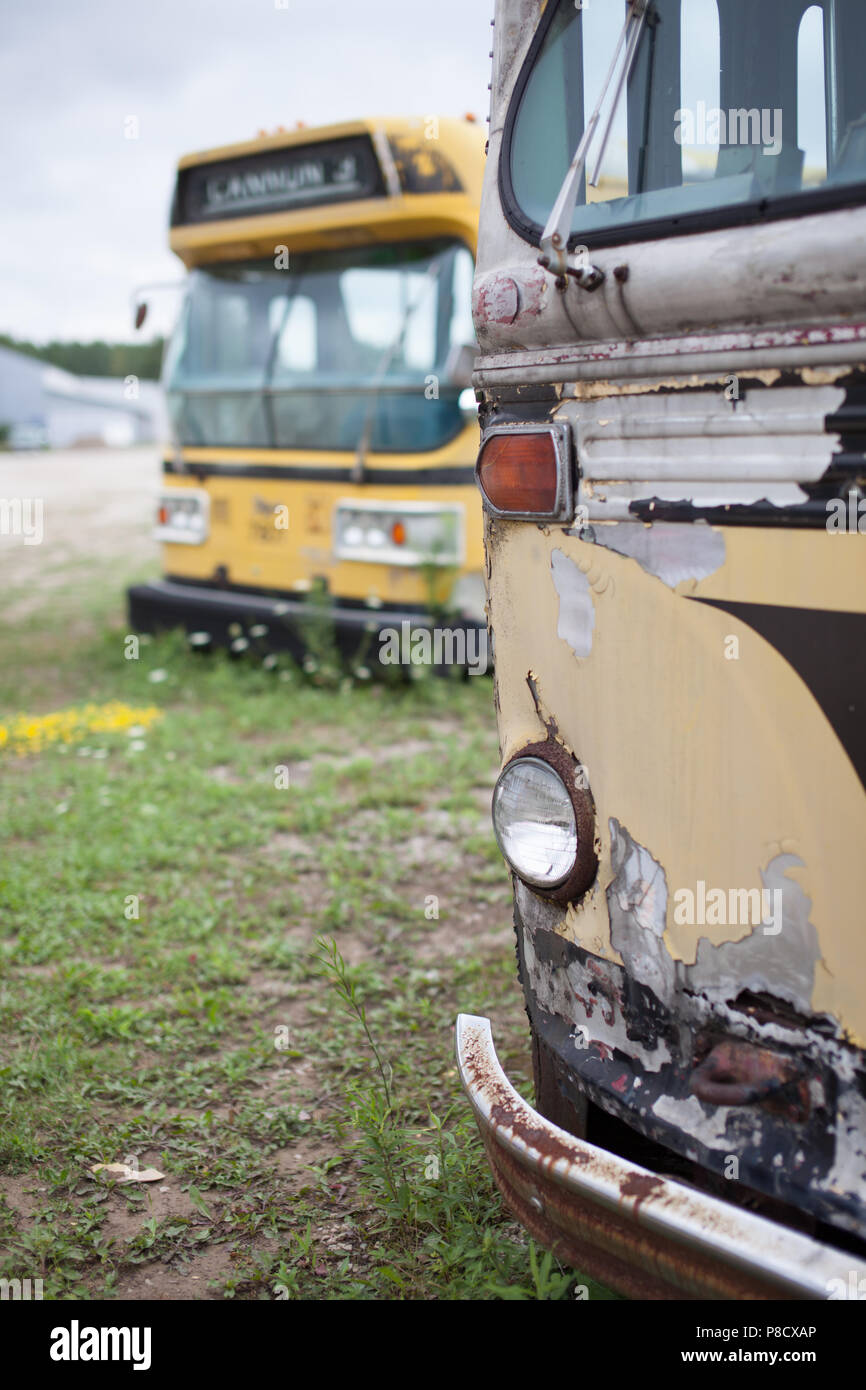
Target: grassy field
x=221 y=957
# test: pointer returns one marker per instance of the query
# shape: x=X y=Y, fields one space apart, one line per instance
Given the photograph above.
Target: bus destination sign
x=277 y=180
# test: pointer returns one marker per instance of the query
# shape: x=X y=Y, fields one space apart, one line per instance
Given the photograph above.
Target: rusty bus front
x=670 y=303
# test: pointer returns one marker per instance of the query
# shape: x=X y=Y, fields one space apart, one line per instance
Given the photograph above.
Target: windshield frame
x=765 y=209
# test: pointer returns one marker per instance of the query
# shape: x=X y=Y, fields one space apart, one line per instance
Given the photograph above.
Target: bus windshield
x=730 y=105
x=336 y=347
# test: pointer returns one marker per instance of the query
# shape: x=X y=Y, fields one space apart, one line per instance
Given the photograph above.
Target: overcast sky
x=84 y=213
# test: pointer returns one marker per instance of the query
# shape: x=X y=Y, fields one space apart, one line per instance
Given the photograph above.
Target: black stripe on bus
x=311 y=472
x=813 y=513
x=827 y=649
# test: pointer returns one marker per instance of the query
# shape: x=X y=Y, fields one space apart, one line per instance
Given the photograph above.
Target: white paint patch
x=846 y=1175
x=688 y=1115
x=780 y=963
x=637 y=900
x=670 y=551
x=576 y=610
x=537 y=912
x=559 y=988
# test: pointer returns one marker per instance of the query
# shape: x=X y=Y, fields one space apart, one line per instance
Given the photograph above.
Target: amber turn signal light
x=524 y=473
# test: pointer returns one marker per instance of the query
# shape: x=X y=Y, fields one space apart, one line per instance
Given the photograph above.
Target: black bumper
x=358 y=631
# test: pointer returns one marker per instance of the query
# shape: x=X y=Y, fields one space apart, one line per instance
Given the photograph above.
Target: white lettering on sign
x=280 y=183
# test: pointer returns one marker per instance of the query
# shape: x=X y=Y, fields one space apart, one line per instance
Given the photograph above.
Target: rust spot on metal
x=610 y=1246
x=607 y=1218
x=543 y=713
x=639 y=1186
x=496 y=300
x=536 y=1137
x=500 y=299
x=738 y=1073
x=503 y=1115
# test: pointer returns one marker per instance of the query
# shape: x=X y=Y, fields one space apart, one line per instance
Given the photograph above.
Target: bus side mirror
x=140 y=313
x=459 y=364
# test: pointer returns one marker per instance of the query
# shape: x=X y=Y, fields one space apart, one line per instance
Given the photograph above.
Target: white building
x=44 y=405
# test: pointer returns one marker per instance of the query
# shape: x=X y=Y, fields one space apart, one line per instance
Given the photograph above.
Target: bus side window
x=811 y=97
x=700 y=72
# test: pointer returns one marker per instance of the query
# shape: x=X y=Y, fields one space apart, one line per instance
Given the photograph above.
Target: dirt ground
x=97 y=504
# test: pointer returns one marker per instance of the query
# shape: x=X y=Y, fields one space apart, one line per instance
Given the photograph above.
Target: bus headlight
x=182 y=516
x=399 y=533
x=543 y=820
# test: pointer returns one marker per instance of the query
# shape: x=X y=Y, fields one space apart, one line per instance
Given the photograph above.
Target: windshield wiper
x=554 y=238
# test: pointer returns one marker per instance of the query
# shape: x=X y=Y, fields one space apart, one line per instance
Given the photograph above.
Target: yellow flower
x=31 y=733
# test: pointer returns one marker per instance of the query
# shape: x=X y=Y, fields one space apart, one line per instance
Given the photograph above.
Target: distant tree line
x=96 y=359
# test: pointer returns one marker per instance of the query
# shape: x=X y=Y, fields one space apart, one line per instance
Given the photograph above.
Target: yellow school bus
x=670 y=301
x=324 y=430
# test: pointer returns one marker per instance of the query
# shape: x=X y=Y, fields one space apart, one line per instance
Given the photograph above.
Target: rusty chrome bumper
x=643 y=1235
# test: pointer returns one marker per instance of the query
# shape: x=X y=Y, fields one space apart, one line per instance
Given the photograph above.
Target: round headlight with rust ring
x=544 y=821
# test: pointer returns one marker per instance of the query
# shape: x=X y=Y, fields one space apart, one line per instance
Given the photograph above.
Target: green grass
x=240 y=983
